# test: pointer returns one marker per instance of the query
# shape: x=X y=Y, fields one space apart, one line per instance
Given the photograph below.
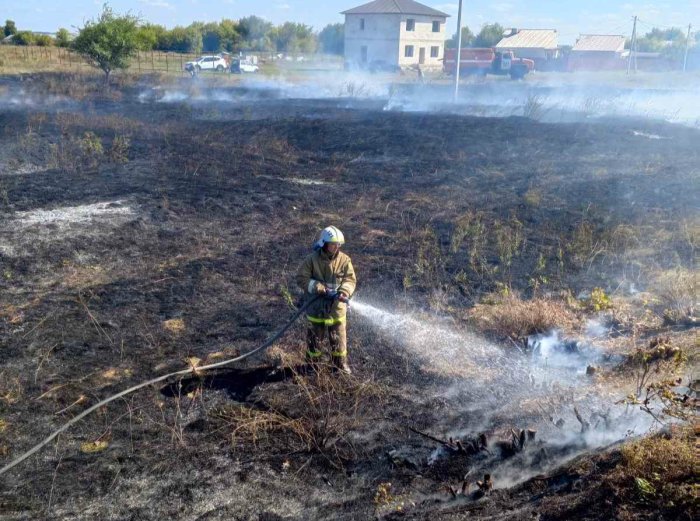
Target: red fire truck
x=487 y=61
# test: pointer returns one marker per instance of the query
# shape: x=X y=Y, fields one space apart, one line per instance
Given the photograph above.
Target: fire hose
x=130 y=390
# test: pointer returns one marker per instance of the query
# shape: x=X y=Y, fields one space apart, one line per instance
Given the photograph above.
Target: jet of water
x=505 y=381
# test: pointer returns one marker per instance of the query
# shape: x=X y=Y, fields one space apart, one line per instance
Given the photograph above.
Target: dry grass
x=658 y=473
x=510 y=317
x=317 y=413
x=258 y=426
x=11 y=389
x=175 y=326
x=678 y=293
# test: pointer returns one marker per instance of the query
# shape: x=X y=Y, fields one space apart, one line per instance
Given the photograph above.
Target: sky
x=569 y=17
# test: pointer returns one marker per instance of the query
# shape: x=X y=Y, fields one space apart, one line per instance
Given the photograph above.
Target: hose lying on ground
x=130 y=390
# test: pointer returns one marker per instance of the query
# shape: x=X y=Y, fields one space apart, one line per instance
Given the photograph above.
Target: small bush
x=43 y=40
x=119 y=150
x=678 y=291
x=91 y=145
x=534 y=107
x=24 y=38
x=599 y=300
x=533 y=198
x=76 y=154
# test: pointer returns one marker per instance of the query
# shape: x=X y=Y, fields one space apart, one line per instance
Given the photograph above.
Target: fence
x=34 y=57
x=18 y=58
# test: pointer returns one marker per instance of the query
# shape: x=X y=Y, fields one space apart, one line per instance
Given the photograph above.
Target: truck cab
x=487 y=61
x=505 y=62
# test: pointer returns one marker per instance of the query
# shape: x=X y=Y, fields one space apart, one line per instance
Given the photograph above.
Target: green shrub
x=599 y=300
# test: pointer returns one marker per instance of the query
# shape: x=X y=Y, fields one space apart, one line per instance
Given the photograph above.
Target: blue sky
x=570 y=17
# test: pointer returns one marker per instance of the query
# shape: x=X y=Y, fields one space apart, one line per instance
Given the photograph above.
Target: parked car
x=207 y=63
x=241 y=66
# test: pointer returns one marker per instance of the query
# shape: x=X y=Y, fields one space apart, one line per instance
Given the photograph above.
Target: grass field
x=514 y=276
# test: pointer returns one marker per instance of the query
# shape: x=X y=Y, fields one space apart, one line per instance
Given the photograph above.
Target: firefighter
x=328 y=274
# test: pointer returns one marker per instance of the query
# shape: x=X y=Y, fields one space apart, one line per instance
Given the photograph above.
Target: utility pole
x=458 y=54
x=687 y=46
x=633 y=47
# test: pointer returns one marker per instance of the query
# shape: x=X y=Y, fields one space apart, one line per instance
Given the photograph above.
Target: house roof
x=530 y=38
x=395 y=7
x=600 y=42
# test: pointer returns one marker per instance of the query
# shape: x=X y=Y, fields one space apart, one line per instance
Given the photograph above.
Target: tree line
x=251 y=33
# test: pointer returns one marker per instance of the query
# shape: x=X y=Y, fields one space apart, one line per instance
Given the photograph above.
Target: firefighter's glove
x=316 y=288
x=331 y=294
x=342 y=297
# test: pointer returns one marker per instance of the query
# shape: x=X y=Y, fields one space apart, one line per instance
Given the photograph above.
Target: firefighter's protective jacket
x=318 y=270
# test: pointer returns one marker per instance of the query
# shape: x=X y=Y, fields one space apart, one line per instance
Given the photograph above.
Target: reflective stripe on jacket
x=318 y=270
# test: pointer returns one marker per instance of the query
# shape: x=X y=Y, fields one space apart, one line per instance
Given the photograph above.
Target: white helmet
x=330 y=234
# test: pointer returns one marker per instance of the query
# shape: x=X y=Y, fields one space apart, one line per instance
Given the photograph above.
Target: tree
x=23 y=38
x=219 y=36
x=332 y=39
x=63 y=38
x=43 y=40
x=148 y=36
x=211 y=38
x=255 y=33
x=230 y=35
x=672 y=34
x=181 y=39
x=489 y=35
x=10 y=28
x=467 y=39
x=669 y=42
x=109 y=42
x=294 y=37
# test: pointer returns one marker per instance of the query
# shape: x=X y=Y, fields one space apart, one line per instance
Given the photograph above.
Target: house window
x=362 y=24
x=410 y=24
x=408 y=53
x=435 y=51
x=436 y=27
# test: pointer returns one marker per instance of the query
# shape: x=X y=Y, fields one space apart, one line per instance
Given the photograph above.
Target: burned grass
x=177 y=237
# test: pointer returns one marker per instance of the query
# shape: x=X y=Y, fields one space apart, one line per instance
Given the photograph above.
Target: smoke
x=259 y=89
x=540 y=387
x=564 y=101
x=20 y=99
x=553 y=98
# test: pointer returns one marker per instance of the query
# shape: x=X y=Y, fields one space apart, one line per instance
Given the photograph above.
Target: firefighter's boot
x=340 y=363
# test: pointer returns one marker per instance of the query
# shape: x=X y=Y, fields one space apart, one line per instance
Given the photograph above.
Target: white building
x=540 y=45
x=394 y=33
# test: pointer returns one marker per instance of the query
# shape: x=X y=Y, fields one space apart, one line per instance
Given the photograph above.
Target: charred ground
x=197 y=215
